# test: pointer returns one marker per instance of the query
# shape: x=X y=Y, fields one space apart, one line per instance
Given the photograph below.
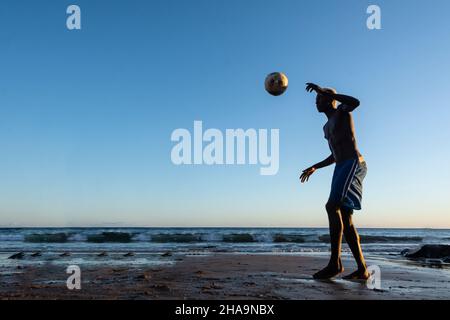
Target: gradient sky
x=86 y=116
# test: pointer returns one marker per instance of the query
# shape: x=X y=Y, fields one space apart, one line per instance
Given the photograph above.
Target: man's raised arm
x=348 y=103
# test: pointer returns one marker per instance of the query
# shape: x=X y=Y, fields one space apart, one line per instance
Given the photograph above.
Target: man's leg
x=336 y=229
x=352 y=238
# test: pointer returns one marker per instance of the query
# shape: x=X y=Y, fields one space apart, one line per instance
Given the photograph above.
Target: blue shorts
x=346 y=186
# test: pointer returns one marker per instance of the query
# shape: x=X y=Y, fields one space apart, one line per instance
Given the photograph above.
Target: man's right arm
x=325 y=163
x=309 y=171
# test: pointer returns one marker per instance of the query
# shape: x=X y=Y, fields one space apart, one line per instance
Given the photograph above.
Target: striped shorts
x=347 y=183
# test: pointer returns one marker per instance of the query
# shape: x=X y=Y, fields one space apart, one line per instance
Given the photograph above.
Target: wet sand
x=224 y=276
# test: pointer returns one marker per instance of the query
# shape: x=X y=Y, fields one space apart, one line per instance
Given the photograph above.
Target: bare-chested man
x=346 y=186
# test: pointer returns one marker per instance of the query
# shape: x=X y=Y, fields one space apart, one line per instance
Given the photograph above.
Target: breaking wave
x=194 y=237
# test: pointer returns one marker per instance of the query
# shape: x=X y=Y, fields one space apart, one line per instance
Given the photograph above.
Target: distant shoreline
x=209 y=227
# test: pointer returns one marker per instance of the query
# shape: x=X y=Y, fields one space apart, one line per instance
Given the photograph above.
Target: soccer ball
x=276 y=83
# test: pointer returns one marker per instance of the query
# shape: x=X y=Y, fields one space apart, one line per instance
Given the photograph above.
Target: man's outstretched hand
x=306 y=174
x=310 y=87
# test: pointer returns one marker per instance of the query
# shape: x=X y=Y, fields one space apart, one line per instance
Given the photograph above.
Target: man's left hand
x=310 y=87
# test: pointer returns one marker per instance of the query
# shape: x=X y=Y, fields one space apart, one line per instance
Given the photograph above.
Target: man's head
x=324 y=103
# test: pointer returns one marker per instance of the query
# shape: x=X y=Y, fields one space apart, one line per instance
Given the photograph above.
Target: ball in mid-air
x=276 y=83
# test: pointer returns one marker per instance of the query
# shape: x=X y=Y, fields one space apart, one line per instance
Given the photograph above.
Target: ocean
x=153 y=246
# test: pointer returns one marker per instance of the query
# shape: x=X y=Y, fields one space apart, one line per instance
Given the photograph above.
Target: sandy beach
x=225 y=276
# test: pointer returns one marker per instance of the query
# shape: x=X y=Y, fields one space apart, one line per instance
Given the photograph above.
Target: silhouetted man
x=346 y=186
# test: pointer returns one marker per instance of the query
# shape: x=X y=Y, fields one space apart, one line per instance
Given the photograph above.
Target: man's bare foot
x=360 y=274
x=330 y=271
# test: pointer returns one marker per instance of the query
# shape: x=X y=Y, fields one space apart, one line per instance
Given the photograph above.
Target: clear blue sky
x=86 y=116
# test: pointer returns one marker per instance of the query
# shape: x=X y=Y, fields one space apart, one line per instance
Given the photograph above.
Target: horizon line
x=209 y=227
